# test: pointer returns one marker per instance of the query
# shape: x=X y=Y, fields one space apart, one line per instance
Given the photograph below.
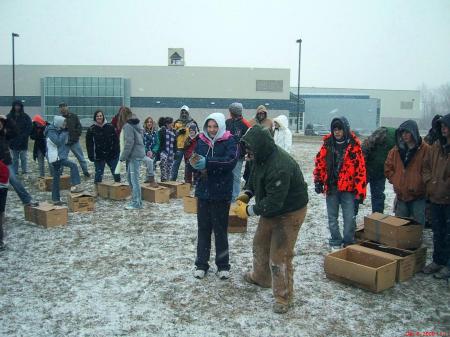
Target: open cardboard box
x=46 y=215
x=393 y=231
x=158 y=195
x=81 y=202
x=357 y=266
x=177 y=189
x=405 y=259
x=113 y=190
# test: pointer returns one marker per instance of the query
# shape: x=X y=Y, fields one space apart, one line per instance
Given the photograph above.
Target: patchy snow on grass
x=130 y=273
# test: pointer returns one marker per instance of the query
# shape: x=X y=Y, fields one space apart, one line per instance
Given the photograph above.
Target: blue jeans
x=237 y=173
x=377 y=194
x=411 y=209
x=133 y=180
x=41 y=159
x=22 y=156
x=57 y=171
x=178 y=157
x=440 y=219
x=150 y=167
x=78 y=153
x=100 y=169
x=24 y=196
x=347 y=202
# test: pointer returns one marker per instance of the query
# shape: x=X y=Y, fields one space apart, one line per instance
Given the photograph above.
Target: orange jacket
x=352 y=175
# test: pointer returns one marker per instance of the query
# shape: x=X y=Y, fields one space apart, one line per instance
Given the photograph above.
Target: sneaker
x=223 y=274
x=86 y=174
x=280 y=308
x=132 y=207
x=77 y=189
x=32 y=204
x=335 y=248
x=199 y=273
x=442 y=274
x=432 y=268
x=57 y=203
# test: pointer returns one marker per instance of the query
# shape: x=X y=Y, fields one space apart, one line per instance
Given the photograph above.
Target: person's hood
x=410 y=126
x=58 y=122
x=260 y=109
x=184 y=113
x=39 y=120
x=135 y=123
x=283 y=121
x=443 y=120
x=260 y=142
x=345 y=125
x=219 y=118
x=17 y=102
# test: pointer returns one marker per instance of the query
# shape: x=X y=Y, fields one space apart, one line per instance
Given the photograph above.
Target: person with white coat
x=282 y=135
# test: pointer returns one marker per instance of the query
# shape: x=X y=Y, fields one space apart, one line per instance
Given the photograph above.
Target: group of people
x=214 y=154
x=418 y=169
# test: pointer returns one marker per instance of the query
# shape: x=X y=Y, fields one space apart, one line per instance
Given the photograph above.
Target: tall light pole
x=13 y=35
x=299 y=41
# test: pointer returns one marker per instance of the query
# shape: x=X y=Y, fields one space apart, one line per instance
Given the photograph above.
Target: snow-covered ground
x=129 y=273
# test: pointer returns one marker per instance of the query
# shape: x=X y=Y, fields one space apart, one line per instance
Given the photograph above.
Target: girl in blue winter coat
x=216 y=154
x=151 y=143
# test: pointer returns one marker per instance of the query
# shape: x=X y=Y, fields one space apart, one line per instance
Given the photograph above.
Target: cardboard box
x=393 y=231
x=45 y=183
x=113 y=190
x=406 y=260
x=359 y=233
x=81 y=202
x=420 y=258
x=155 y=194
x=190 y=204
x=177 y=189
x=354 y=265
x=235 y=224
x=46 y=215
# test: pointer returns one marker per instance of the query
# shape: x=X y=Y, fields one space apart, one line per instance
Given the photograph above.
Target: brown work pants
x=273 y=251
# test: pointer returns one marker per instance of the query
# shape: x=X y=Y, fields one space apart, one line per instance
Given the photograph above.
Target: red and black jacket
x=352 y=175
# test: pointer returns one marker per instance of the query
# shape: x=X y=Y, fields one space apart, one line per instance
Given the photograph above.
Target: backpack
x=52 y=151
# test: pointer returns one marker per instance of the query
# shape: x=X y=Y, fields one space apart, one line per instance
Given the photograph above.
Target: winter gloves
x=318 y=187
x=240 y=209
x=245 y=196
x=200 y=163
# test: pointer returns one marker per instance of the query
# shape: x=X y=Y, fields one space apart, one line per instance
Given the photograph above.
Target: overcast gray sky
x=391 y=44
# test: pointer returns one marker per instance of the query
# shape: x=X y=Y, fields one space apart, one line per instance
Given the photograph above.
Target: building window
x=84 y=95
x=269 y=85
x=406 y=105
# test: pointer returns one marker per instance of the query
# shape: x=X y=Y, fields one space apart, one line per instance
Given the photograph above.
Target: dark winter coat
x=275 y=179
x=73 y=125
x=24 y=126
x=162 y=140
x=434 y=133
x=403 y=166
x=436 y=168
x=133 y=135
x=221 y=155
x=102 y=142
x=151 y=141
x=238 y=127
x=40 y=143
x=351 y=174
x=375 y=149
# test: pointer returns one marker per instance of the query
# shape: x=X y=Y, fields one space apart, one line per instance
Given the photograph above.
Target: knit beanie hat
x=236 y=108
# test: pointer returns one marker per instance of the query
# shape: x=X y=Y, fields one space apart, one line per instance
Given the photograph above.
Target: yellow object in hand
x=240 y=209
x=243 y=197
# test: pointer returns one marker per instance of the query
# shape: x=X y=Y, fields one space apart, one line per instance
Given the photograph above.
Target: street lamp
x=299 y=41
x=13 y=35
